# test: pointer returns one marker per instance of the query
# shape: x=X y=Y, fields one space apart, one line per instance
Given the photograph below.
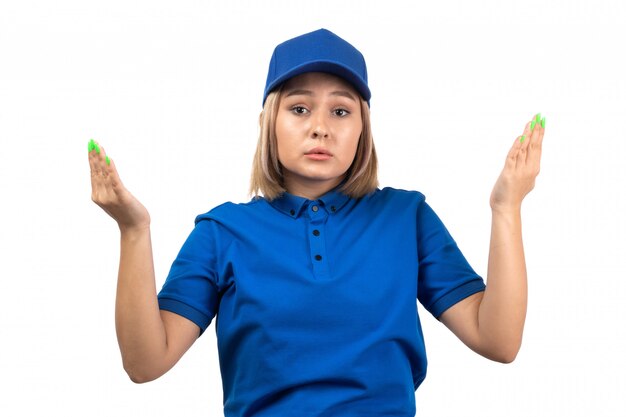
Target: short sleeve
x=444 y=275
x=191 y=288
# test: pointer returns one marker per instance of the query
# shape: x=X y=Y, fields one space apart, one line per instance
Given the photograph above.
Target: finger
x=511 y=158
x=102 y=162
x=538 y=131
x=94 y=165
x=98 y=189
x=96 y=156
x=534 y=154
x=112 y=184
x=104 y=177
x=113 y=176
x=518 y=151
x=527 y=142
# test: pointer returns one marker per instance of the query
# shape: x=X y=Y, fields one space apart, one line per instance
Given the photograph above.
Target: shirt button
x=292 y=212
x=316 y=232
x=314 y=208
x=333 y=209
x=318 y=257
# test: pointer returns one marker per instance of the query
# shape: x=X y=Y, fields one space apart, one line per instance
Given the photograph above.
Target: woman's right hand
x=109 y=193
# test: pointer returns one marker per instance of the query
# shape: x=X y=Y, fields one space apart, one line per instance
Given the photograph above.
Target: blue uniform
x=316 y=300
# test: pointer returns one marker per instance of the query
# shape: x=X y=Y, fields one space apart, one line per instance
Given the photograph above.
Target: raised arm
x=151 y=341
x=492 y=323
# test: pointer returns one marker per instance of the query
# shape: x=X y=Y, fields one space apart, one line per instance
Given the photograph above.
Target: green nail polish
x=108 y=160
x=543 y=122
x=521 y=140
x=538 y=118
x=97 y=148
x=532 y=125
x=90 y=146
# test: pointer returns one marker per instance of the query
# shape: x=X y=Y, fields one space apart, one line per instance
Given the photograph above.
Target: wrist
x=131 y=231
x=512 y=210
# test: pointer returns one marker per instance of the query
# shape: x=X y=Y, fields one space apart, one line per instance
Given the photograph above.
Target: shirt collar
x=334 y=200
x=292 y=205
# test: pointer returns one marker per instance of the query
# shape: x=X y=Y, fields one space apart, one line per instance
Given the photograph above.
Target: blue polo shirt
x=316 y=300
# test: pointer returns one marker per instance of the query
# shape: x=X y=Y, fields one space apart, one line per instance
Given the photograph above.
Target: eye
x=341 y=112
x=299 y=110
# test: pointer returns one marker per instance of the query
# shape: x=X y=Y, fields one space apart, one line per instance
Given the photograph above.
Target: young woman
x=314 y=281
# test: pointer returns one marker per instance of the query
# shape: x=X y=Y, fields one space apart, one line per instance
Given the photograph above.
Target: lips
x=318 y=154
x=319 y=151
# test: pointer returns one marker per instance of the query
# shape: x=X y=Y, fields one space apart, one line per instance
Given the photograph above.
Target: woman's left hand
x=520 y=169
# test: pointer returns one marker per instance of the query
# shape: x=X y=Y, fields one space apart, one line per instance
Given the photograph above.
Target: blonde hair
x=267 y=179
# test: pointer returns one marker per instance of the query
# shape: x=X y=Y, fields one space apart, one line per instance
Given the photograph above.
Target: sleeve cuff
x=188 y=312
x=456 y=295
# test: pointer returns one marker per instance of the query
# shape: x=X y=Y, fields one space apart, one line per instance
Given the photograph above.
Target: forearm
x=502 y=311
x=140 y=329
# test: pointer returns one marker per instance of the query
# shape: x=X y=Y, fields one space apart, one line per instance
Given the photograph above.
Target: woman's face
x=318 y=126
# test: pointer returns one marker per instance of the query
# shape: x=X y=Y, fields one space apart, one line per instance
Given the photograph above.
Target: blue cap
x=318 y=51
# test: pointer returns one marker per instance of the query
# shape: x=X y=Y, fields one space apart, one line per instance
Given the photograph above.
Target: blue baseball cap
x=318 y=51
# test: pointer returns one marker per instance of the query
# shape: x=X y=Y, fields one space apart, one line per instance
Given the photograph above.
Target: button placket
x=317 y=241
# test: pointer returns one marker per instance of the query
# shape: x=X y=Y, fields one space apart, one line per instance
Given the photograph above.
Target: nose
x=319 y=127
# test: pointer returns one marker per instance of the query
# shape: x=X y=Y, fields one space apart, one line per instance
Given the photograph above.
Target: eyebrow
x=341 y=93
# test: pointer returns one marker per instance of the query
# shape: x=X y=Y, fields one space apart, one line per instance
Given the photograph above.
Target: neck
x=310 y=189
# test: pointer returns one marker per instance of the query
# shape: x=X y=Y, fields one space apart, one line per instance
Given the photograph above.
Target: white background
x=173 y=90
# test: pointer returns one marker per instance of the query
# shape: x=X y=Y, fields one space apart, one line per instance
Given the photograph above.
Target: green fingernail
x=532 y=125
x=90 y=146
x=108 y=160
x=96 y=147
x=543 y=122
x=538 y=118
x=521 y=140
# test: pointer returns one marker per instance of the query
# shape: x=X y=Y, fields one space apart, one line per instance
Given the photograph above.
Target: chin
x=326 y=177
